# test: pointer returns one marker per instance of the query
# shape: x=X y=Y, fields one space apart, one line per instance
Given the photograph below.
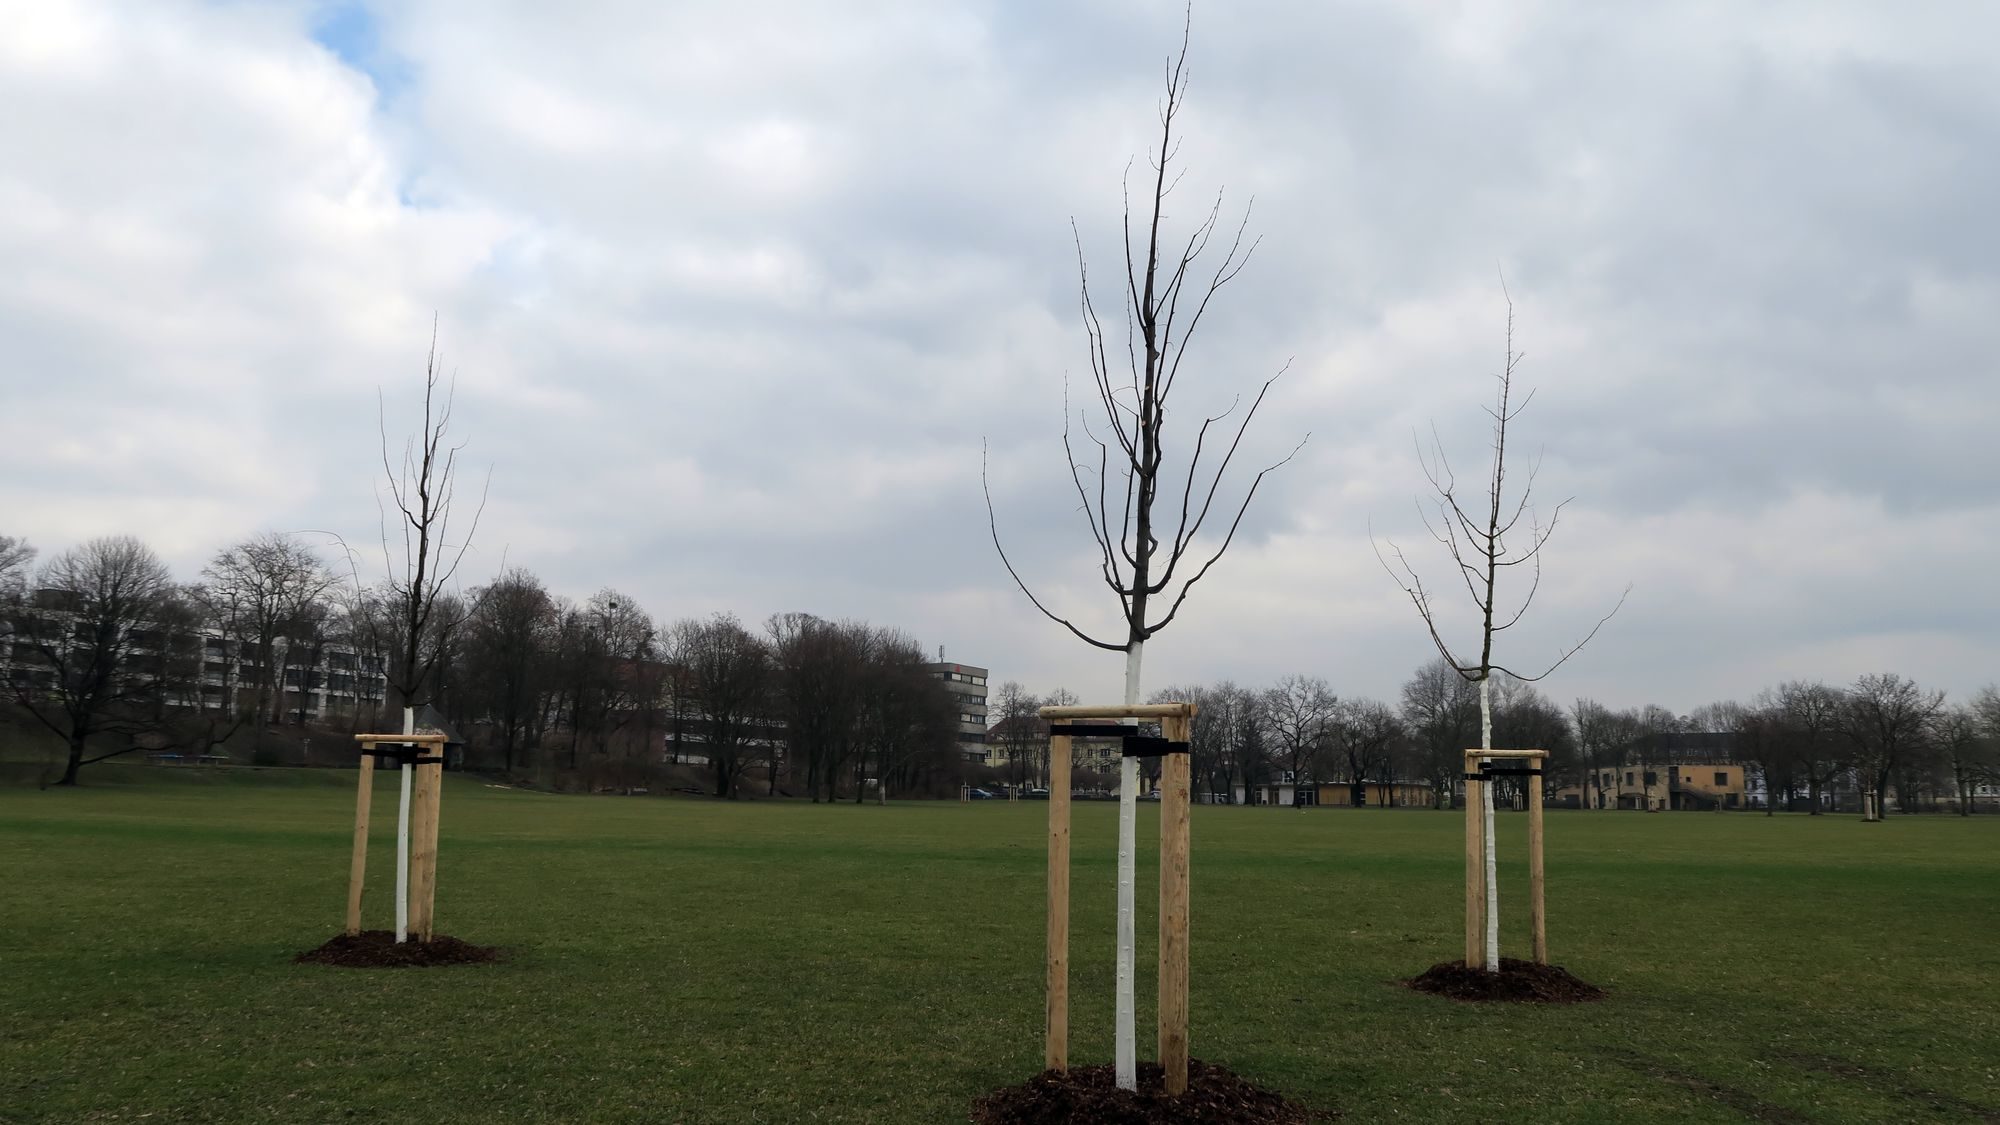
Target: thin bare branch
x=1573 y=649
x=1248 y=495
x=993 y=527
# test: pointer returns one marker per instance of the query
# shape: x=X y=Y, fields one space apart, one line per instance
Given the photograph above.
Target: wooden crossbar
x=1121 y=711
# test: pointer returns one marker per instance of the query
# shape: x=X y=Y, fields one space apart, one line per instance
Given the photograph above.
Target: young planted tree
x=424 y=487
x=1142 y=554
x=1485 y=538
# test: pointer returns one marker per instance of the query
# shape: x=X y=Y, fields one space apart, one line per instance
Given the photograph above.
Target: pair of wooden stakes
x=1477 y=777
x=426 y=795
x=1171 y=749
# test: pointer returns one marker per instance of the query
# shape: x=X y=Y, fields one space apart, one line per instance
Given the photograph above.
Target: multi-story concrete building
x=207 y=669
x=967 y=685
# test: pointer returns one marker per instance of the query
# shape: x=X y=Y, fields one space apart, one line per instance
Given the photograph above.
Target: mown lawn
x=684 y=960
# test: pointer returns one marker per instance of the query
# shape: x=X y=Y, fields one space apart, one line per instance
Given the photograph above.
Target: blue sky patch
x=350 y=30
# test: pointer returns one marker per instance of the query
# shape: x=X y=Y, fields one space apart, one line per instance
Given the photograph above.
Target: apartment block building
x=1654 y=788
x=967 y=685
x=203 y=667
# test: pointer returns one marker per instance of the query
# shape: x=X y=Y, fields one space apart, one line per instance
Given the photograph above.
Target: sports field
x=686 y=960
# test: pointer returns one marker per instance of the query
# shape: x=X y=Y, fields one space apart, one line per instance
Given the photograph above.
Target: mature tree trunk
x=74 y=765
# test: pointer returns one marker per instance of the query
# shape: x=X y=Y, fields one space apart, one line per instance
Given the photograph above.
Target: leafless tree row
x=1803 y=744
x=105 y=650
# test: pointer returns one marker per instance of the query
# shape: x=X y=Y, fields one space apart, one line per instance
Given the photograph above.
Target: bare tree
x=908 y=718
x=1478 y=541
x=1886 y=720
x=16 y=556
x=600 y=646
x=816 y=669
x=1967 y=750
x=729 y=671
x=1300 y=709
x=1020 y=733
x=1166 y=292
x=1810 y=715
x=1441 y=713
x=1362 y=735
x=261 y=592
x=1523 y=716
x=94 y=637
x=1229 y=739
x=508 y=638
x=1981 y=762
x=423 y=485
x=1599 y=738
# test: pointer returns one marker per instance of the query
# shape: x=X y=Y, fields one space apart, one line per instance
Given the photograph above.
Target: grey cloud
x=735 y=296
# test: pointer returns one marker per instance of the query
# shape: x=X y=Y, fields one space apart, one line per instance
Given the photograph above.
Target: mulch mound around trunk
x=378 y=949
x=1521 y=982
x=1215 y=1096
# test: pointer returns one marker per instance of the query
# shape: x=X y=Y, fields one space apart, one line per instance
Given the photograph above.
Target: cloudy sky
x=735 y=291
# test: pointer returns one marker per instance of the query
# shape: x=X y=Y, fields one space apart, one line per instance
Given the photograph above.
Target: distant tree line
x=103 y=648
x=1801 y=743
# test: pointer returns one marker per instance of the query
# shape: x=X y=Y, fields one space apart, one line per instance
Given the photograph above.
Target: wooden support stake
x=1055 y=1054
x=420 y=847
x=358 y=870
x=427 y=900
x=1475 y=874
x=1173 y=974
x=1538 y=923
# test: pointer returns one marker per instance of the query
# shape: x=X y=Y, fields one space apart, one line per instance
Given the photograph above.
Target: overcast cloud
x=735 y=291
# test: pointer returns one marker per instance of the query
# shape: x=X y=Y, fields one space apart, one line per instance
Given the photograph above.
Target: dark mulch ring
x=1215 y=1096
x=1517 y=981
x=378 y=949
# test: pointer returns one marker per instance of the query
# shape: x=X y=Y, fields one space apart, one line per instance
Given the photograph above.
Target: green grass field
x=683 y=960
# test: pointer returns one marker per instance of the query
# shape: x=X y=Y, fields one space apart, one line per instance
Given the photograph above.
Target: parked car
x=979 y=795
x=1038 y=794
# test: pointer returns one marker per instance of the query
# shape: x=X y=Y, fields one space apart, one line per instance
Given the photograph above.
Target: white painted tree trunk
x=1486 y=800
x=1125 y=1045
x=403 y=840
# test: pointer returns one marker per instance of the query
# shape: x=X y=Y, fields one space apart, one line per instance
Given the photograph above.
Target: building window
x=1721 y=779
x=1628 y=778
x=1652 y=779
